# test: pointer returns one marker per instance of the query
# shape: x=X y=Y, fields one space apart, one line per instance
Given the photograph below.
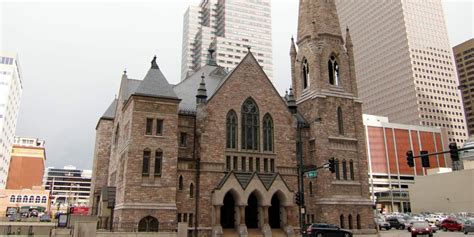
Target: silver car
x=469 y=226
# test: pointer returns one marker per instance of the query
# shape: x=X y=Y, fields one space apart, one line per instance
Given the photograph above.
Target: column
x=217 y=216
x=242 y=215
x=265 y=215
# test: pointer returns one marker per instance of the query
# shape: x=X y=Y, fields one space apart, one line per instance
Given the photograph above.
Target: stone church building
x=221 y=150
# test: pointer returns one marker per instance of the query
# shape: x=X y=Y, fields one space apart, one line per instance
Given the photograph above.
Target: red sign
x=80 y=210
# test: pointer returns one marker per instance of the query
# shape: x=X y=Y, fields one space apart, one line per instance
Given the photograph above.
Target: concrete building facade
x=389 y=173
x=27 y=163
x=449 y=192
x=219 y=150
x=405 y=66
x=10 y=94
x=464 y=57
x=228 y=27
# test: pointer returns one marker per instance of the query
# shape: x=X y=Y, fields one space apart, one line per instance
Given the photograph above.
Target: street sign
x=312 y=174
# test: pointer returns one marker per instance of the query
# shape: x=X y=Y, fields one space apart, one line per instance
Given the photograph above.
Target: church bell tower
x=324 y=84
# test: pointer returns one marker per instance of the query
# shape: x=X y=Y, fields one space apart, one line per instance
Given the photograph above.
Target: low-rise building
x=36 y=198
x=450 y=192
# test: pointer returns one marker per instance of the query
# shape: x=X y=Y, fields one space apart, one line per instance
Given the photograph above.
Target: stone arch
x=148 y=224
x=261 y=197
x=234 y=188
x=228 y=213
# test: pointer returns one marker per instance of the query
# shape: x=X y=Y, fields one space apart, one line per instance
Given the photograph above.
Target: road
x=405 y=233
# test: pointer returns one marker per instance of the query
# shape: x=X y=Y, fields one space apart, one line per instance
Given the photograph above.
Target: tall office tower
x=229 y=28
x=404 y=62
x=464 y=55
x=10 y=93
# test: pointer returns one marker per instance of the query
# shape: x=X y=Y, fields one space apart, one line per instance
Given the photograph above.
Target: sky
x=72 y=55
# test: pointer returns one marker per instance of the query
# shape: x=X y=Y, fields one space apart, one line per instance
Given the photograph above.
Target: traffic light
x=332 y=165
x=298 y=198
x=425 y=159
x=453 y=150
x=410 y=160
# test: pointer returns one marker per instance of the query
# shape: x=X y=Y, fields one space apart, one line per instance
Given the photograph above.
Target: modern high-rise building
x=10 y=93
x=464 y=55
x=229 y=28
x=27 y=163
x=69 y=186
x=404 y=63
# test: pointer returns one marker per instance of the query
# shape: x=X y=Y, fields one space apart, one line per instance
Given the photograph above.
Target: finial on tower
x=291 y=102
x=154 y=65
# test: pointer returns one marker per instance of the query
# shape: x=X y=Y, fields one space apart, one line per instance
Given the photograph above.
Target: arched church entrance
x=274 y=212
x=251 y=212
x=228 y=212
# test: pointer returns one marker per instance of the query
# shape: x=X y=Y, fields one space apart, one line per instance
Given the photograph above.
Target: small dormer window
x=305 y=74
x=333 y=71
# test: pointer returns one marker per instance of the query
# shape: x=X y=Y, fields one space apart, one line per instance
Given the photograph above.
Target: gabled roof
x=110 y=112
x=244 y=179
x=155 y=84
x=187 y=89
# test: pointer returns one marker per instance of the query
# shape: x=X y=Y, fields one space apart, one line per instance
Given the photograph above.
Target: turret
x=201 y=96
x=293 y=54
x=291 y=102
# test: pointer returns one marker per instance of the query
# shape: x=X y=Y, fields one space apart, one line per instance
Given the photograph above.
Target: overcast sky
x=72 y=55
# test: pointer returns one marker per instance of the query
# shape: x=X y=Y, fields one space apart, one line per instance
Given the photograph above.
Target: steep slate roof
x=187 y=89
x=155 y=84
x=132 y=85
x=110 y=112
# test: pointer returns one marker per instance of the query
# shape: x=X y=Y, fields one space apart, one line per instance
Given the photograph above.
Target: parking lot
x=405 y=233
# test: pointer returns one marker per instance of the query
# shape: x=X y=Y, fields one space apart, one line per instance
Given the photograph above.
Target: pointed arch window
x=146 y=162
x=43 y=199
x=12 y=198
x=148 y=224
x=267 y=133
x=180 y=183
x=18 y=198
x=158 y=162
x=305 y=73
x=351 y=169
x=358 y=222
x=231 y=130
x=25 y=198
x=191 y=190
x=32 y=198
x=341 y=220
x=350 y=222
x=340 y=121
x=250 y=125
x=333 y=71
x=344 y=169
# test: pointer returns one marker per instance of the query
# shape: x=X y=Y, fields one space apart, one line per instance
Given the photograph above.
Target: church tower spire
x=317 y=18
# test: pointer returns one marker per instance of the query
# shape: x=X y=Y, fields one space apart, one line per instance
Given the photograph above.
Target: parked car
x=451 y=225
x=421 y=228
x=382 y=224
x=11 y=210
x=323 y=229
x=396 y=223
x=14 y=217
x=469 y=226
x=45 y=218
